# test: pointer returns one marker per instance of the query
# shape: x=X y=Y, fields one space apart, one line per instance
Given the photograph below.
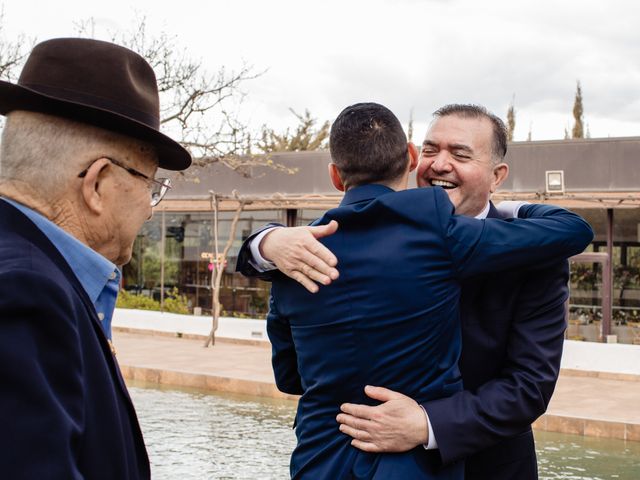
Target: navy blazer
x=64 y=408
x=512 y=335
x=392 y=317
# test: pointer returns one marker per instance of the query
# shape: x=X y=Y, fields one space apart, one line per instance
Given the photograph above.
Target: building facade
x=597 y=178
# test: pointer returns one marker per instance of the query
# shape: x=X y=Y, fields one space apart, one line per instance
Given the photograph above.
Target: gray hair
x=499 y=140
x=47 y=152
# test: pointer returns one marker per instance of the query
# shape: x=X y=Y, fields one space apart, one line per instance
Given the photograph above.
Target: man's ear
x=334 y=175
x=500 y=174
x=413 y=156
x=92 y=191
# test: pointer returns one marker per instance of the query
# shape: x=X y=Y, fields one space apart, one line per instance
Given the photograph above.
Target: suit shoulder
x=23 y=262
x=429 y=205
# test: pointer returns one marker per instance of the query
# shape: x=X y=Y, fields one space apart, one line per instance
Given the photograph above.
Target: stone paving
x=582 y=404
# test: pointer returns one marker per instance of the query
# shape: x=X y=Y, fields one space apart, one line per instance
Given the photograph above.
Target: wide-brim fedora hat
x=98 y=83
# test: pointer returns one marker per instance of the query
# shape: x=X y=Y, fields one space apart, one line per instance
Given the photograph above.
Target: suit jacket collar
x=493 y=211
x=364 y=192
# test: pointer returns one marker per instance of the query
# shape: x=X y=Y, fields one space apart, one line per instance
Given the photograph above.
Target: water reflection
x=195 y=435
x=586 y=458
x=192 y=435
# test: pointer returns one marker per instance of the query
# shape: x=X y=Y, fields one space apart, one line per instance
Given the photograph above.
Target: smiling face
x=457 y=156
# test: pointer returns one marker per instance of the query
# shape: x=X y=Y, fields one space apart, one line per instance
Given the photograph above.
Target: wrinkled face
x=131 y=205
x=456 y=155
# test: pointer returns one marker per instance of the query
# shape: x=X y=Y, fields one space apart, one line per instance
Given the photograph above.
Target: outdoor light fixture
x=555 y=181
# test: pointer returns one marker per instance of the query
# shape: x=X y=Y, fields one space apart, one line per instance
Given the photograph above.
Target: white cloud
x=405 y=54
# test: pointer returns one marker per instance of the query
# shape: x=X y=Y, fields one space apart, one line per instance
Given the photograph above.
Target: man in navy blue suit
x=391 y=318
x=80 y=148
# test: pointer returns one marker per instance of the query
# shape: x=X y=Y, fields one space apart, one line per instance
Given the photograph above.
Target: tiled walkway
x=581 y=404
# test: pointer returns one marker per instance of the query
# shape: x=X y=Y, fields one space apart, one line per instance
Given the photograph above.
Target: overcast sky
x=404 y=54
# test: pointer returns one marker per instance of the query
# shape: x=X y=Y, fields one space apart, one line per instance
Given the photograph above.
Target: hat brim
x=171 y=155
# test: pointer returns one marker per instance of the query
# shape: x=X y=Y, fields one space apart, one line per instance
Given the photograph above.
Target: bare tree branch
x=12 y=54
x=196 y=106
x=220 y=261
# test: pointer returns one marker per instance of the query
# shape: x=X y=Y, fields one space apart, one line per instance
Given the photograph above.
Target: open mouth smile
x=443 y=183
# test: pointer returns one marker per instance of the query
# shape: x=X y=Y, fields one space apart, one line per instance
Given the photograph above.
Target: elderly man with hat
x=80 y=149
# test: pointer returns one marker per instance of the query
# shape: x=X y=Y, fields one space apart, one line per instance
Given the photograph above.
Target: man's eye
x=428 y=151
x=463 y=156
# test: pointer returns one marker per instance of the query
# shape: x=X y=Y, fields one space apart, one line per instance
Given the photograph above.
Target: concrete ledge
x=626 y=377
x=588 y=427
x=191 y=325
x=203 y=382
x=609 y=358
x=192 y=336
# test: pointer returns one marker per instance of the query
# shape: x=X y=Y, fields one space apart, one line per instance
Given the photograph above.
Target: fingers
x=360 y=411
x=325 y=230
x=356 y=434
x=366 y=446
x=317 y=268
x=307 y=276
x=382 y=394
x=298 y=254
x=305 y=281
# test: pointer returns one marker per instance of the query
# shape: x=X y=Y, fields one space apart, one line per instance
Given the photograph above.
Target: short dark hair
x=499 y=144
x=368 y=145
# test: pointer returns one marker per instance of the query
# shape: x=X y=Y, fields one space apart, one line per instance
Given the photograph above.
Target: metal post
x=607 y=280
x=162 y=253
x=292 y=217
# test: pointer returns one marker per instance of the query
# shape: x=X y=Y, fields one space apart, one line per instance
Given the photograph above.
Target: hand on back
x=298 y=254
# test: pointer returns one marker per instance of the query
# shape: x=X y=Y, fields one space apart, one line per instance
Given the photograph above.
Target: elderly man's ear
x=92 y=189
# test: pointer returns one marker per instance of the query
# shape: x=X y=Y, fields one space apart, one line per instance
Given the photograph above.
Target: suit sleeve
x=543 y=234
x=41 y=371
x=244 y=266
x=471 y=421
x=283 y=353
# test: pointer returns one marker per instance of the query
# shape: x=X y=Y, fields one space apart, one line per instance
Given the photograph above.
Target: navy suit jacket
x=392 y=317
x=64 y=408
x=512 y=335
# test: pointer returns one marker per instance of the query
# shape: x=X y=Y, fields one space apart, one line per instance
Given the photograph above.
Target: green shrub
x=176 y=303
x=173 y=302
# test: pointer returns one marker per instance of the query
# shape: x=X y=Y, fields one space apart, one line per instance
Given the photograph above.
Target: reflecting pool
x=195 y=435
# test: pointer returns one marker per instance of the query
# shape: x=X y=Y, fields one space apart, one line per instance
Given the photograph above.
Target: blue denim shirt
x=98 y=276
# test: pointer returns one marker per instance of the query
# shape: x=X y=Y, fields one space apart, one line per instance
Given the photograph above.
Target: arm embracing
x=471 y=421
x=283 y=354
x=543 y=234
x=295 y=251
x=246 y=264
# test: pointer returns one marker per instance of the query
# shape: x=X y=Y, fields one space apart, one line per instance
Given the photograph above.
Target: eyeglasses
x=159 y=186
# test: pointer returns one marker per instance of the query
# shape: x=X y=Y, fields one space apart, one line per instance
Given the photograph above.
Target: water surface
x=195 y=435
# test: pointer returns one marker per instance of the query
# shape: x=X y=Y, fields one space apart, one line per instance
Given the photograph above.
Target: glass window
x=586 y=279
x=188 y=260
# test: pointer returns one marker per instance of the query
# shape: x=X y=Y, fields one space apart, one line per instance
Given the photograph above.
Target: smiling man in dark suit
x=391 y=317
x=80 y=148
x=512 y=328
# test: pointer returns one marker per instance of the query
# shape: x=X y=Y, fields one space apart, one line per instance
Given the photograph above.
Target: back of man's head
x=368 y=145
x=463 y=110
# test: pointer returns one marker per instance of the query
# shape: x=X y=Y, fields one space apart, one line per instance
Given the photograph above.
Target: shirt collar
x=483 y=214
x=92 y=269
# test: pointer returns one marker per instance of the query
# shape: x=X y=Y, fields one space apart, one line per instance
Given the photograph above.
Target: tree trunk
x=219 y=261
